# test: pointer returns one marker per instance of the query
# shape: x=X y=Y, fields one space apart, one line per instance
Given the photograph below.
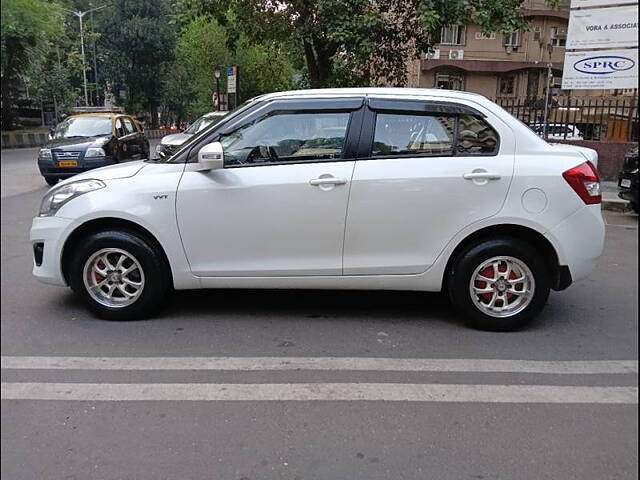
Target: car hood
x=80 y=143
x=112 y=172
x=175 y=138
x=588 y=153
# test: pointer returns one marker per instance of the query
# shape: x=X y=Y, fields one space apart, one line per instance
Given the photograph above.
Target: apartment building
x=497 y=65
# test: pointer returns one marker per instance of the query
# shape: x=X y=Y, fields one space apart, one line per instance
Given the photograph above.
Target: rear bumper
x=50 y=168
x=579 y=241
x=51 y=233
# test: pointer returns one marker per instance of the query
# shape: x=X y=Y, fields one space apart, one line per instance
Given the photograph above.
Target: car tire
x=505 y=304
x=129 y=275
x=51 y=180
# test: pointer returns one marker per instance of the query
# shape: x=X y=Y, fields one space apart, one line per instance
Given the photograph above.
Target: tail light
x=585 y=182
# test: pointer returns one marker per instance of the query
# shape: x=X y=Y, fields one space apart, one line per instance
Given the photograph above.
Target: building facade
x=497 y=65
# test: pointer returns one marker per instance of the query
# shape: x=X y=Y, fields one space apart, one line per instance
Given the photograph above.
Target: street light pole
x=80 y=15
x=216 y=74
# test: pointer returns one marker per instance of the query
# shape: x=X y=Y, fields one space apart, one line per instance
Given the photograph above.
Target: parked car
x=558 y=131
x=170 y=143
x=91 y=140
x=394 y=189
x=628 y=179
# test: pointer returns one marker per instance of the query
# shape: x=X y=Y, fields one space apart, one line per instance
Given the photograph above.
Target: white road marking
x=391 y=392
x=322 y=363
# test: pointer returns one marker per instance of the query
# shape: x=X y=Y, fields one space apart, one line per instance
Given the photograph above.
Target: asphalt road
x=237 y=384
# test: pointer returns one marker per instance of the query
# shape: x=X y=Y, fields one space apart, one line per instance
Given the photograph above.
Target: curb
x=615 y=205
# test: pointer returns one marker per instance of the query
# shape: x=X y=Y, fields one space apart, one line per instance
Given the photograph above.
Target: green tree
x=202 y=46
x=137 y=39
x=358 y=42
x=26 y=27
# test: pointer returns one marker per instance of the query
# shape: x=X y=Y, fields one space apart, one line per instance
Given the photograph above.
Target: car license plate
x=68 y=163
x=625 y=183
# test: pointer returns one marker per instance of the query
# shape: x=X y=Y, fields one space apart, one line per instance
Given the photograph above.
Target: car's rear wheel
x=120 y=275
x=51 y=180
x=499 y=284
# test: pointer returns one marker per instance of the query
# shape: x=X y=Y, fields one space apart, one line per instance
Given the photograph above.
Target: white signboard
x=600 y=69
x=603 y=28
x=599 y=3
x=231 y=79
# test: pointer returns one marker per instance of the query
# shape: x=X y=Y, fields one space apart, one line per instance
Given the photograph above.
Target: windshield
x=202 y=123
x=83 y=127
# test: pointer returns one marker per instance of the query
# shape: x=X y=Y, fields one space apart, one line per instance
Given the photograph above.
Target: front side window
x=399 y=134
x=128 y=125
x=287 y=137
x=475 y=137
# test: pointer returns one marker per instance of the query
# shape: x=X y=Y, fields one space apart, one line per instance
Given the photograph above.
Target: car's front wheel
x=499 y=284
x=119 y=275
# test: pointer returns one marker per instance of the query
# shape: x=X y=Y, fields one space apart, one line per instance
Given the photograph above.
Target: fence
x=600 y=119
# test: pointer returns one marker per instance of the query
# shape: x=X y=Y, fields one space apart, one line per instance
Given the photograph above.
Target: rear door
x=426 y=170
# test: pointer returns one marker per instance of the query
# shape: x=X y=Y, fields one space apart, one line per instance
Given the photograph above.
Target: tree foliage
x=26 y=27
x=138 y=40
x=357 y=42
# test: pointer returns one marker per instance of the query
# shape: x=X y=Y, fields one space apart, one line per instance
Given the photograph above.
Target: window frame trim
x=367 y=134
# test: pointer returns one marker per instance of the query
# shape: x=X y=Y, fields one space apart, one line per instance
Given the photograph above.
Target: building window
x=507 y=86
x=512 y=40
x=453 y=35
x=559 y=36
x=449 y=81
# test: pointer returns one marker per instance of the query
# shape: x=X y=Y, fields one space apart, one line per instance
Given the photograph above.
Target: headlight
x=45 y=153
x=58 y=196
x=94 y=152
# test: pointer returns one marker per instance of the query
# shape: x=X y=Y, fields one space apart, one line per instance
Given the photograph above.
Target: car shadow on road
x=392 y=306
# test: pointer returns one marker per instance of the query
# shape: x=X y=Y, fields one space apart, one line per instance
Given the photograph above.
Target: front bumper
x=50 y=168
x=579 y=240
x=51 y=232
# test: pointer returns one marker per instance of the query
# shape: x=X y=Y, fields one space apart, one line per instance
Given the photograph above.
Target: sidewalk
x=610 y=199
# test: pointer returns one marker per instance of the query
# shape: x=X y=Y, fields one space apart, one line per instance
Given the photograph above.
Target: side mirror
x=211 y=157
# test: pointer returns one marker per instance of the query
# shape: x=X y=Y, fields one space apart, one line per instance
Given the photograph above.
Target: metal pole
x=84 y=70
x=545 y=120
x=95 y=62
x=218 y=93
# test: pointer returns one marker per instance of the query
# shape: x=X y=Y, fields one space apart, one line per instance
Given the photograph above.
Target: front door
x=278 y=207
x=430 y=170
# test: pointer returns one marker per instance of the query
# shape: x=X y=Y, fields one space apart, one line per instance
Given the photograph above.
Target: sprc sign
x=597 y=70
x=604 y=65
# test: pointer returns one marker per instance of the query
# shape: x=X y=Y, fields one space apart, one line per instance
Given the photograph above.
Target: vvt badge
x=603 y=65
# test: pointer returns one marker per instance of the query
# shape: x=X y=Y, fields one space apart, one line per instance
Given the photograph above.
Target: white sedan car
x=394 y=189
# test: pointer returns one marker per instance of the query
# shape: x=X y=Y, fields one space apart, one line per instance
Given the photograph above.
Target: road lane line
x=398 y=392
x=322 y=363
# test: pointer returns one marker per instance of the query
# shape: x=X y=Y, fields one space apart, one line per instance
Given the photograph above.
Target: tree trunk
x=318 y=59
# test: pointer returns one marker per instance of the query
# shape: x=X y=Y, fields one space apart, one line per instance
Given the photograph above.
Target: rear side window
x=399 y=134
x=446 y=133
x=475 y=136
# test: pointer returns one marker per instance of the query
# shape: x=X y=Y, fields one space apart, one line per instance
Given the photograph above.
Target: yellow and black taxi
x=91 y=140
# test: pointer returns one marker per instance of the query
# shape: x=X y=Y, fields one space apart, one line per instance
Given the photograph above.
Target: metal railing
x=600 y=119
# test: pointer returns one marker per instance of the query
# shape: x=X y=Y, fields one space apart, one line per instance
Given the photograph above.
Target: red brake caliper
x=101 y=266
x=487 y=272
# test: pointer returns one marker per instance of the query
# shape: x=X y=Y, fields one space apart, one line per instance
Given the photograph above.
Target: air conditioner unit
x=456 y=54
x=433 y=54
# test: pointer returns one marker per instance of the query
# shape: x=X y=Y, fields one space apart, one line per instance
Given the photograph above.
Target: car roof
x=98 y=114
x=365 y=91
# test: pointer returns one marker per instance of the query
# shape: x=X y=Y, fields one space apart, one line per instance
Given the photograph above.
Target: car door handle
x=328 y=181
x=481 y=176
